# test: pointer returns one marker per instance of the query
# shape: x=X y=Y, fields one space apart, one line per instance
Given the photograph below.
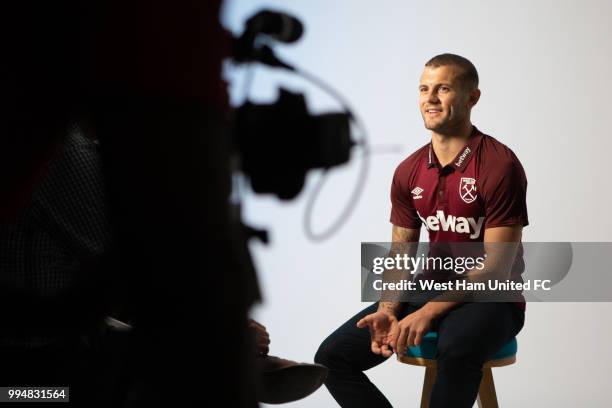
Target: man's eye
x=444 y=88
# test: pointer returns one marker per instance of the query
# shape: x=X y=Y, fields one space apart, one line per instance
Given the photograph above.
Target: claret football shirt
x=484 y=186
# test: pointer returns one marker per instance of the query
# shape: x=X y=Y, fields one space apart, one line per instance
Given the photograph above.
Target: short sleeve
x=403 y=213
x=505 y=195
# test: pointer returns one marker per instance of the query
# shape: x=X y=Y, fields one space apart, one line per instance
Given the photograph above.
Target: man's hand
x=411 y=329
x=262 y=338
x=383 y=326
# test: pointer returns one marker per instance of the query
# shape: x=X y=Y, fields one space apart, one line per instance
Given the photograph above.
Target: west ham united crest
x=467 y=189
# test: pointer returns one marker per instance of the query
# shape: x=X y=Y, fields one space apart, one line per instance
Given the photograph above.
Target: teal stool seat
x=428 y=348
x=425 y=355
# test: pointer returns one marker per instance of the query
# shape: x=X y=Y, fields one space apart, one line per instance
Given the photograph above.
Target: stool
x=425 y=355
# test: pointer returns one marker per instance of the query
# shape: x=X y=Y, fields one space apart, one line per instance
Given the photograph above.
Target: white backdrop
x=545 y=78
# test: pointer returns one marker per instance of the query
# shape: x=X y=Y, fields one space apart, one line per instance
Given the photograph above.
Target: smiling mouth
x=432 y=111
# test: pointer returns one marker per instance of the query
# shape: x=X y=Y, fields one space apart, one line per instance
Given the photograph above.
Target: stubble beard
x=445 y=127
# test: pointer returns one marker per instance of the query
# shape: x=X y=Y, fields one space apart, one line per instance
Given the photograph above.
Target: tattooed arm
x=402 y=236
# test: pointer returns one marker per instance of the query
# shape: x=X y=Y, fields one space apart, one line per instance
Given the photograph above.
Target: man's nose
x=432 y=97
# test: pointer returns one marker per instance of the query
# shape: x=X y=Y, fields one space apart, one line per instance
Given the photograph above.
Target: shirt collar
x=463 y=157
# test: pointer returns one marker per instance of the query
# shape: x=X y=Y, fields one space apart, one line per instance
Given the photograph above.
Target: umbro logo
x=416 y=193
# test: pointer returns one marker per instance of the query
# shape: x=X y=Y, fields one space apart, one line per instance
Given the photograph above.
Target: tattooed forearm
x=400 y=236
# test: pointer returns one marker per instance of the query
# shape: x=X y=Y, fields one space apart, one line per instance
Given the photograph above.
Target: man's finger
x=418 y=338
x=410 y=339
x=392 y=338
x=260 y=335
x=389 y=342
x=385 y=351
x=401 y=340
x=375 y=347
x=256 y=323
x=393 y=344
x=364 y=322
x=375 y=325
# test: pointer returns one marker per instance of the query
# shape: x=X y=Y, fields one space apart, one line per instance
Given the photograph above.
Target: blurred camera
x=278 y=143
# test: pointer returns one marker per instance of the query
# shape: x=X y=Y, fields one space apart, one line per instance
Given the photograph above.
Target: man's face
x=444 y=101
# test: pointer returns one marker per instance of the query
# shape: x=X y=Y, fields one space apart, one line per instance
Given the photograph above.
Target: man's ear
x=474 y=97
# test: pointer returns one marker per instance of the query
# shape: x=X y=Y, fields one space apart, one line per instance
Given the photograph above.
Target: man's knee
x=334 y=352
x=325 y=353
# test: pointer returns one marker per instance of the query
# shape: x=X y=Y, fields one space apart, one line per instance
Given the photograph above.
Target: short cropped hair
x=468 y=76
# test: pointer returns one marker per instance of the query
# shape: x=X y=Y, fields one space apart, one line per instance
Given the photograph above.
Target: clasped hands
x=392 y=336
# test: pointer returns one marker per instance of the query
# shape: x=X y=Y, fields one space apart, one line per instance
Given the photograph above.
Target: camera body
x=278 y=143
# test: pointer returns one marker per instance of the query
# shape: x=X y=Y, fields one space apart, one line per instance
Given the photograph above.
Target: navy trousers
x=467 y=337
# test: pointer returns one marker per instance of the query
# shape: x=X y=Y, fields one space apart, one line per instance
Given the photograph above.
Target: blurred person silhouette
x=66 y=225
x=145 y=79
x=62 y=233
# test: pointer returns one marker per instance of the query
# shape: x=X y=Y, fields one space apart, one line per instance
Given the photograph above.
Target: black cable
x=361 y=141
x=363 y=170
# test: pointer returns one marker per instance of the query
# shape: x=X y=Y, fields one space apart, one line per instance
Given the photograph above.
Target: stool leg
x=428 y=383
x=486 y=394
